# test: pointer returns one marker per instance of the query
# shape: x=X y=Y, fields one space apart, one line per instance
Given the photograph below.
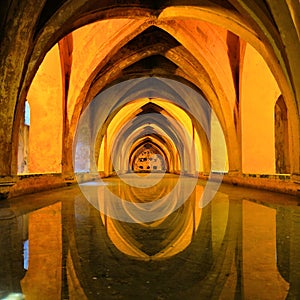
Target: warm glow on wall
x=45 y=133
x=258 y=96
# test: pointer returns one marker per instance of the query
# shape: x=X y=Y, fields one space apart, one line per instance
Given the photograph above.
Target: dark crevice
x=50 y=8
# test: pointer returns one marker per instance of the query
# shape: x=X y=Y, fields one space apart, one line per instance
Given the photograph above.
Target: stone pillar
x=20 y=23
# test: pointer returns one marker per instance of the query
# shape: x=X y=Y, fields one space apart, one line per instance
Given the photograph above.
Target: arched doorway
x=149 y=159
x=282 y=159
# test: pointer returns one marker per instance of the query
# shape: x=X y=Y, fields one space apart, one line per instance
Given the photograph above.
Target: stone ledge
x=34 y=175
x=12 y=186
x=269 y=176
x=282 y=183
x=32 y=183
x=277 y=183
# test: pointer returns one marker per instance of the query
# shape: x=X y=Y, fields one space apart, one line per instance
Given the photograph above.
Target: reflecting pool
x=243 y=244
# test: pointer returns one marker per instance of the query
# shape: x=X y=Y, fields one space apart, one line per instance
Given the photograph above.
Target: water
x=244 y=244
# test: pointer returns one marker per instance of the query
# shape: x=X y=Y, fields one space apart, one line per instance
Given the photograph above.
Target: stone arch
x=149 y=157
x=58 y=27
x=171 y=139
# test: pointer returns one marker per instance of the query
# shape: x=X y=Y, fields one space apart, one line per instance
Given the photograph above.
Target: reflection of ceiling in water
x=235 y=249
x=161 y=238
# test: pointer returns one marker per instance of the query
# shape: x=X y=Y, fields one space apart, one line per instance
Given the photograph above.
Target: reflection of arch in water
x=141 y=195
x=104 y=260
x=283 y=231
x=126 y=236
x=260 y=253
x=14 y=232
x=211 y=266
x=288 y=248
x=195 y=268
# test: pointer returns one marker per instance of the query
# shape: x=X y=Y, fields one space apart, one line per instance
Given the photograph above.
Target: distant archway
x=149 y=158
x=24 y=140
x=282 y=159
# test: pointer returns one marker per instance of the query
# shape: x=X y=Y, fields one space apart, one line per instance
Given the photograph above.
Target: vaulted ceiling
x=199 y=43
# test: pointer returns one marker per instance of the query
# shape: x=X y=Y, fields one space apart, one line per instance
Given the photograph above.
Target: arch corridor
x=187 y=111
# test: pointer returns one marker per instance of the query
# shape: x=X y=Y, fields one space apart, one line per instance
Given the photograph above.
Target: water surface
x=244 y=244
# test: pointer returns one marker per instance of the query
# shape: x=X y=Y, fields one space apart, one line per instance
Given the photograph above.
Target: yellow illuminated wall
x=45 y=99
x=92 y=43
x=219 y=159
x=259 y=92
